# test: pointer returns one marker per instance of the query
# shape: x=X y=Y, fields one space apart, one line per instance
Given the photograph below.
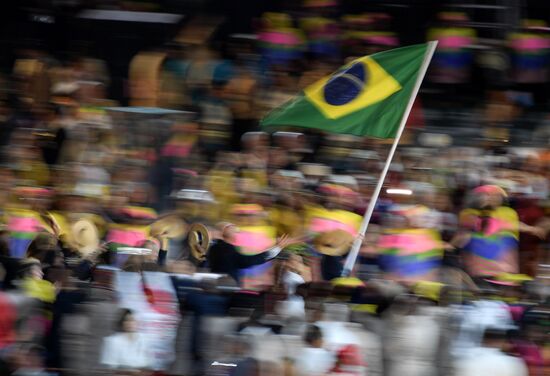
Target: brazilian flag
x=366 y=97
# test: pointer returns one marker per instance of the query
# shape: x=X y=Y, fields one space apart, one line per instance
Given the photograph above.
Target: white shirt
x=476 y=318
x=292 y=280
x=412 y=345
x=293 y=307
x=128 y=352
x=337 y=334
x=314 y=362
x=273 y=252
x=482 y=361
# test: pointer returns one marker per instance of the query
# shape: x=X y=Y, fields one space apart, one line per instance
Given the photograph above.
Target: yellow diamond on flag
x=359 y=84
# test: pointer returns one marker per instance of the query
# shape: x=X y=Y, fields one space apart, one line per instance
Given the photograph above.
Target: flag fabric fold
x=366 y=97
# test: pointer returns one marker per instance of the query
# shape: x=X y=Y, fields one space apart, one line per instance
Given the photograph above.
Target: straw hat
x=198 y=240
x=32 y=192
x=169 y=226
x=314 y=169
x=247 y=209
x=84 y=236
x=194 y=195
x=428 y=290
x=490 y=189
x=347 y=282
x=333 y=243
x=337 y=190
x=509 y=279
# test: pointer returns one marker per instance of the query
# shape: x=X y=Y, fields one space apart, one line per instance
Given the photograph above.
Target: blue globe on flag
x=346 y=85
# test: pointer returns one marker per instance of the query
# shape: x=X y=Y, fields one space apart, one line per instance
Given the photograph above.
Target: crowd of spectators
x=452 y=273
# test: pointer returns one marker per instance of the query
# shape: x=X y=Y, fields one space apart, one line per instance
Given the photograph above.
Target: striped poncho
x=321 y=220
x=252 y=240
x=129 y=233
x=23 y=226
x=412 y=254
x=492 y=248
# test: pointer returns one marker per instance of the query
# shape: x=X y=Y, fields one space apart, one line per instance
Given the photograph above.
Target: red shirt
x=8 y=316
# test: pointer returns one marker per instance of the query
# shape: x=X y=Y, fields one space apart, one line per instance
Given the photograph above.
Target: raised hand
x=285 y=241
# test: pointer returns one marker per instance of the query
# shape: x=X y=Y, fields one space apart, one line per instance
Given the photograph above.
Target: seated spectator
x=33 y=283
x=314 y=359
x=238 y=361
x=28 y=360
x=490 y=358
x=412 y=339
x=349 y=362
x=127 y=349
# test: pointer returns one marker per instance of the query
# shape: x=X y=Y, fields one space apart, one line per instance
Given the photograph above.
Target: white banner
x=155 y=306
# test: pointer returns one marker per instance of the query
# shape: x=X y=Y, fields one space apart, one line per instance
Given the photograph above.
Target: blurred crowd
x=175 y=237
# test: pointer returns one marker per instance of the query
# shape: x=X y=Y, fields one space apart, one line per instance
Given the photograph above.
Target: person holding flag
x=333 y=226
x=370 y=96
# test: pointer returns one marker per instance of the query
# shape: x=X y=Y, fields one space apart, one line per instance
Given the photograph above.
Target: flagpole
x=354 y=252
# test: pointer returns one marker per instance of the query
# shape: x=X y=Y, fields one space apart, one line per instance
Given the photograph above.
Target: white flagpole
x=354 y=252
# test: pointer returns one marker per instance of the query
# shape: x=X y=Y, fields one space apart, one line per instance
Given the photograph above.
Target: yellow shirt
x=39 y=289
x=287 y=221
